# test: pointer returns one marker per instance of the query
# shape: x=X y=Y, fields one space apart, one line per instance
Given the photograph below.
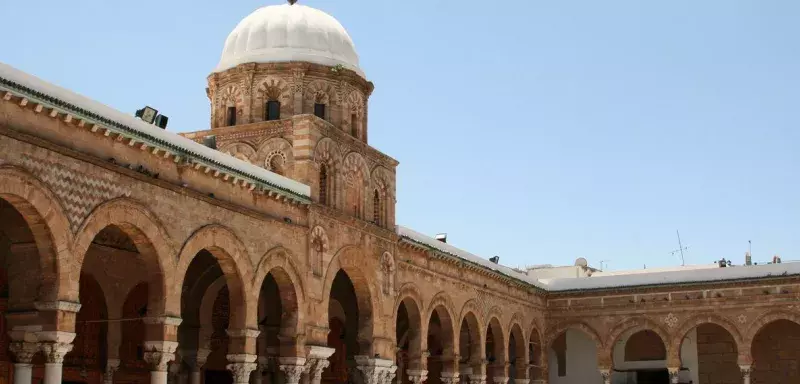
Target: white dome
x=281 y=33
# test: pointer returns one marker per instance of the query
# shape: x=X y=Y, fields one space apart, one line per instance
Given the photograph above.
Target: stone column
x=605 y=373
x=158 y=354
x=292 y=368
x=23 y=352
x=112 y=365
x=54 y=358
x=316 y=362
x=464 y=372
x=746 y=370
x=241 y=365
x=674 y=374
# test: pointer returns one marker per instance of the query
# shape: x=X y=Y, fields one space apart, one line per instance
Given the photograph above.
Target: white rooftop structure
x=284 y=33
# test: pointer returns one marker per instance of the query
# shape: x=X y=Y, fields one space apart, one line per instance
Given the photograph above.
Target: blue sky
x=540 y=131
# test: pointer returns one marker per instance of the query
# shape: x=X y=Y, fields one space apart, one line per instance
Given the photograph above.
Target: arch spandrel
x=704 y=318
x=147 y=233
x=44 y=214
x=764 y=320
x=557 y=329
x=235 y=262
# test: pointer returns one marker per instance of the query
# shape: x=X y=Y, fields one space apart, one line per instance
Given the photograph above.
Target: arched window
x=231 y=116
x=319 y=110
x=376 y=208
x=323 y=184
x=272 y=110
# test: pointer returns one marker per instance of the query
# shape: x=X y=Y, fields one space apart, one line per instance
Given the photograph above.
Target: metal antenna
x=680 y=249
x=603 y=262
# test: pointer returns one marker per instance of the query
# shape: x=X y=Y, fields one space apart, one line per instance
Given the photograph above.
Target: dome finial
x=291 y=2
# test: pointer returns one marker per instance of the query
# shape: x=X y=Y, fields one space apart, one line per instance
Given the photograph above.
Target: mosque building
x=264 y=249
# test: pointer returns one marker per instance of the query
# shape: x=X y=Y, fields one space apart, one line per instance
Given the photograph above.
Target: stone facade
x=120 y=260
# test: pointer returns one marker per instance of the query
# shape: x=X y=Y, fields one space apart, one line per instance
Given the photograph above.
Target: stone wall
x=716 y=354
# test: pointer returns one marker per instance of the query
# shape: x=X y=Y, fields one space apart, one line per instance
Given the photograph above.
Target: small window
x=319 y=110
x=273 y=111
x=354 y=125
x=231 y=118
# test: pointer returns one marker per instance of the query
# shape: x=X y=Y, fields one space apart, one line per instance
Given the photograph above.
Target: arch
x=497 y=312
x=240 y=150
x=42 y=211
x=764 y=320
x=279 y=262
x=444 y=309
x=350 y=260
x=147 y=233
x=470 y=318
x=355 y=168
x=556 y=330
x=410 y=297
x=520 y=350
x=276 y=146
x=518 y=319
x=698 y=320
x=632 y=325
x=496 y=354
x=234 y=260
x=327 y=151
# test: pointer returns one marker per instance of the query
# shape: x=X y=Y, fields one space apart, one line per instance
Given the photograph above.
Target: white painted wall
x=582 y=361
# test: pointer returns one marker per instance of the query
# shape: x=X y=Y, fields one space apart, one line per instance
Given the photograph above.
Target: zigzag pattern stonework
x=79 y=193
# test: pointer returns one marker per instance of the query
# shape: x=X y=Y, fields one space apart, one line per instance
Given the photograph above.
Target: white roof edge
x=259 y=174
x=449 y=249
x=697 y=275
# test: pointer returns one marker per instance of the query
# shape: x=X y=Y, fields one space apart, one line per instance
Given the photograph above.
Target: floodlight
x=147 y=114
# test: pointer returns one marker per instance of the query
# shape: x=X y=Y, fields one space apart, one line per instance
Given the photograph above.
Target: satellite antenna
x=680 y=249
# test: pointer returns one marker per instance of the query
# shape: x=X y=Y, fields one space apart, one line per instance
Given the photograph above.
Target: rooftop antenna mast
x=680 y=249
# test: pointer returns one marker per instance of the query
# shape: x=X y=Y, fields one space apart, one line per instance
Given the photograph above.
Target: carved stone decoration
x=388 y=269
x=292 y=372
x=746 y=370
x=230 y=96
x=23 y=351
x=241 y=371
x=671 y=320
x=55 y=352
x=319 y=244
x=453 y=378
x=159 y=353
x=241 y=151
x=298 y=74
x=417 y=376
x=477 y=379
x=500 y=380
x=319 y=92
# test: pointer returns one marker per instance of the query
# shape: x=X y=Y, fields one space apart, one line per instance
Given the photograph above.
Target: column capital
x=477 y=379
x=451 y=378
x=674 y=374
x=241 y=365
x=746 y=370
x=23 y=351
x=293 y=371
x=112 y=365
x=500 y=380
x=54 y=352
x=605 y=373
x=417 y=376
x=159 y=353
x=522 y=381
